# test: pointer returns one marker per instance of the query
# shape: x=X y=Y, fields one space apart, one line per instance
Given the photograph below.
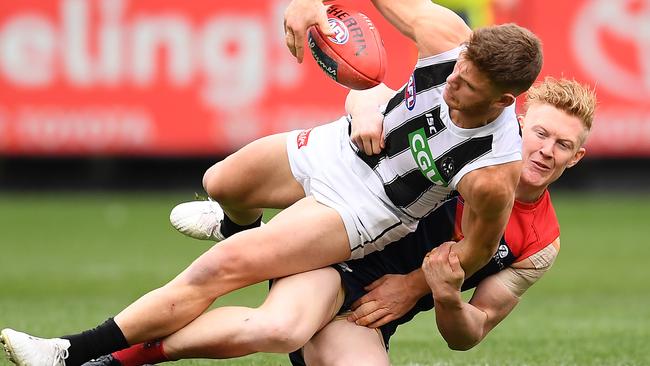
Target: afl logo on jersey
x=409 y=93
x=341 y=34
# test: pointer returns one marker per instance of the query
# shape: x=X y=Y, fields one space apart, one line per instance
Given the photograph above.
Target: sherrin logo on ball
x=354 y=55
x=341 y=34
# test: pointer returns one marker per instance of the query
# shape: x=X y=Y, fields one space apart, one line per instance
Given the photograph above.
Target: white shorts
x=324 y=163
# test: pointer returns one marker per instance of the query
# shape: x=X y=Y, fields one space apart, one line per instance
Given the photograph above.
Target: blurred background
x=111 y=110
x=125 y=94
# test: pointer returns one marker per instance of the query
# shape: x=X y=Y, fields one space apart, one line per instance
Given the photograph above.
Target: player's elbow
x=493 y=197
x=460 y=347
x=464 y=344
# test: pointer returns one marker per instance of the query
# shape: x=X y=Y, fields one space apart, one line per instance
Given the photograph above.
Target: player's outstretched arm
x=463 y=325
x=367 y=120
x=434 y=28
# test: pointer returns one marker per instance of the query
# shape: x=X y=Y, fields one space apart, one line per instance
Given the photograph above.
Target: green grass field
x=67 y=262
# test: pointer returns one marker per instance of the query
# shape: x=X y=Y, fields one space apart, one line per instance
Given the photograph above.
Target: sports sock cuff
x=99 y=341
x=229 y=227
x=142 y=354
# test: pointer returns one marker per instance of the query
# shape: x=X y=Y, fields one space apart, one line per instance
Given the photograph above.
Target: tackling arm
x=464 y=325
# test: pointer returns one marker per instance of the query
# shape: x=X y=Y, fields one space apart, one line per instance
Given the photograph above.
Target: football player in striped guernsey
x=452 y=127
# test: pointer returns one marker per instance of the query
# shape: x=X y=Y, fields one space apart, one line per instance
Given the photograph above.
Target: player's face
x=552 y=142
x=467 y=89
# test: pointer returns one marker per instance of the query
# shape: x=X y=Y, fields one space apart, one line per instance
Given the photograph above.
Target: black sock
x=104 y=339
x=228 y=227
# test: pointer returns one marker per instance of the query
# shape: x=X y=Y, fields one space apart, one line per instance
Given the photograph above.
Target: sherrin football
x=354 y=57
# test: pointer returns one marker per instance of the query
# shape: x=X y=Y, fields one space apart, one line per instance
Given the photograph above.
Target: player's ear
x=577 y=157
x=505 y=100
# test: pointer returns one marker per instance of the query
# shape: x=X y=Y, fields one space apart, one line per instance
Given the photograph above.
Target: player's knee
x=222 y=269
x=214 y=182
x=283 y=335
x=207 y=176
x=223 y=186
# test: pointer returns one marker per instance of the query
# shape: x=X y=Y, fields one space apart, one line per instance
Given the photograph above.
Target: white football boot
x=198 y=220
x=25 y=350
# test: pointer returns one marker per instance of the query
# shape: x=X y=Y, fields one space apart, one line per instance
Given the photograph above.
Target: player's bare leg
x=344 y=343
x=305 y=236
x=296 y=308
x=255 y=177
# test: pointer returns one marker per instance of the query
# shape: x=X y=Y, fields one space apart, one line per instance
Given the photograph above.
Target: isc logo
x=419 y=147
x=341 y=34
x=409 y=93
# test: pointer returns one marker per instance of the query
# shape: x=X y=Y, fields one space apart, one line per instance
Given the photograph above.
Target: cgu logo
x=619 y=70
x=409 y=93
x=106 y=43
x=419 y=146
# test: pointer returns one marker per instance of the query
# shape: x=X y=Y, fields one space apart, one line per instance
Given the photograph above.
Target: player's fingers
x=454 y=262
x=324 y=25
x=434 y=254
x=299 y=44
x=376 y=146
x=372 y=317
x=381 y=321
x=426 y=264
x=444 y=248
x=382 y=142
x=290 y=40
x=427 y=258
x=361 y=311
x=356 y=141
x=374 y=284
x=367 y=146
x=365 y=299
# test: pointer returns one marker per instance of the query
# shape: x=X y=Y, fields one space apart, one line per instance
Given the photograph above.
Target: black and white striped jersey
x=426 y=154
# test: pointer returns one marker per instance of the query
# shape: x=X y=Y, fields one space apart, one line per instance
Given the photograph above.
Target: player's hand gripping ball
x=354 y=57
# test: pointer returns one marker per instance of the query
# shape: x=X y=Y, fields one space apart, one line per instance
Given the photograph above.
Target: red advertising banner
x=604 y=43
x=174 y=77
x=153 y=77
